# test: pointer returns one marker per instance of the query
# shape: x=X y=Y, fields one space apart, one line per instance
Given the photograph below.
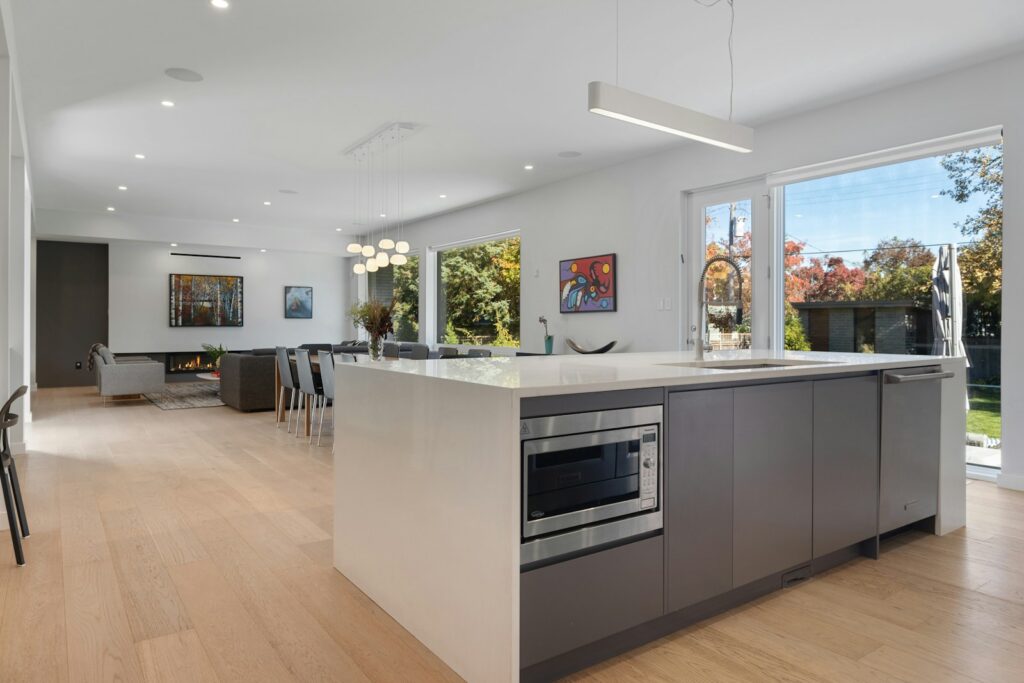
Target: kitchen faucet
x=702 y=343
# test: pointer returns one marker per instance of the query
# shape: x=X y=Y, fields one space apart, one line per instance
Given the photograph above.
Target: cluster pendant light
x=379 y=201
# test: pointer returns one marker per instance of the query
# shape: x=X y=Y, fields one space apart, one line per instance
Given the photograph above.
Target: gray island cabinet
x=764 y=484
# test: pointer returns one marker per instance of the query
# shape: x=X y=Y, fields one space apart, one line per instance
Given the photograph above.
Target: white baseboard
x=1011 y=481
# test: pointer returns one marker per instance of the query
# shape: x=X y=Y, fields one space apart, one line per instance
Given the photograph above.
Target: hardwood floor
x=195 y=545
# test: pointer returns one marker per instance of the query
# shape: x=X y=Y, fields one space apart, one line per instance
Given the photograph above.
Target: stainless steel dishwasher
x=910 y=443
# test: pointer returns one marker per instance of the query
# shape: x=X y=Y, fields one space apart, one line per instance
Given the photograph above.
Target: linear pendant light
x=626 y=105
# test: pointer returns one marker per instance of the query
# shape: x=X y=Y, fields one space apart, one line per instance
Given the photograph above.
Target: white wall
x=139 y=296
x=635 y=209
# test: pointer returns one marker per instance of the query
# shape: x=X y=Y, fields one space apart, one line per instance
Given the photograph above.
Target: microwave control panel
x=648 y=467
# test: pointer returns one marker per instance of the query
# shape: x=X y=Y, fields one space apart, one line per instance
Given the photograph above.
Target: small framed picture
x=298 y=302
x=587 y=285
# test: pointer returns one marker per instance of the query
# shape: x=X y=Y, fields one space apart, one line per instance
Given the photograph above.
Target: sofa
x=247 y=379
x=130 y=376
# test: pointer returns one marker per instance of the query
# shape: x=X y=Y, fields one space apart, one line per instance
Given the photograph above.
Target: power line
x=866 y=249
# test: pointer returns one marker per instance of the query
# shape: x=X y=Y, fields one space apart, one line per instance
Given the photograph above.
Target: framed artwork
x=587 y=285
x=205 y=300
x=298 y=302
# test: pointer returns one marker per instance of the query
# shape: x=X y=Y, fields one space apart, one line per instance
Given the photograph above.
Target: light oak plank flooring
x=195 y=545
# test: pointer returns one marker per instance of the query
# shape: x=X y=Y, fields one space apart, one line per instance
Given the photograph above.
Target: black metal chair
x=479 y=353
x=16 y=519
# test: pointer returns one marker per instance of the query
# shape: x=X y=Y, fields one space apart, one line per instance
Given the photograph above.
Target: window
x=478 y=293
x=400 y=284
x=859 y=252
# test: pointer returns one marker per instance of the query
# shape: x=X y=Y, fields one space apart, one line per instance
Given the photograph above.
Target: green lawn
x=985 y=416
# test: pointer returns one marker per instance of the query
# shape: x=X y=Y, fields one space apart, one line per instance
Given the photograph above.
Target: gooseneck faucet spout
x=702 y=342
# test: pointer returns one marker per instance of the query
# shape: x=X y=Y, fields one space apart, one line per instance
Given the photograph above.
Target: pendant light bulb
x=382 y=259
x=398 y=260
x=386 y=243
x=371 y=266
x=354 y=248
x=368 y=250
x=402 y=247
x=359 y=269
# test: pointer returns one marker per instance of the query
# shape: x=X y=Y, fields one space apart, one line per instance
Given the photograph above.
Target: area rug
x=187 y=395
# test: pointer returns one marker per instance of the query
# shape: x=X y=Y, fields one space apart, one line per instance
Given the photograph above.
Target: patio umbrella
x=947 y=305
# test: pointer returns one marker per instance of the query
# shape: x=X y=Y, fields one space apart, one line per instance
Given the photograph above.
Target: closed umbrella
x=947 y=305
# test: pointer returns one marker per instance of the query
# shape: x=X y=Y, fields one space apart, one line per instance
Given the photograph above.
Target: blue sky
x=856 y=210
x=853 y=211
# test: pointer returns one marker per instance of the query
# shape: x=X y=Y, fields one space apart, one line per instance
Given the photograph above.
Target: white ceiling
x=495 y=84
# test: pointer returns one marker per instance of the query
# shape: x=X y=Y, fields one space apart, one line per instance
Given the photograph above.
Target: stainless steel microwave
x=589 y=479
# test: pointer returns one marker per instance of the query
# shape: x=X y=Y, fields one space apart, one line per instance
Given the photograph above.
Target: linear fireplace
x=194 y=361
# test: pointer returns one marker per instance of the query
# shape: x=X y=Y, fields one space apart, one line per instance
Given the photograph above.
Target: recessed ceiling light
x=569 y=154
x=234 y=220
x=167 y=103
x=187 y=75
x=443 y=196
x=220 y=4
x=110 y=208
x=383 y=215
x=266 y=203
x=123 y=188
x=263 y=251
x=528 y=167
x=174 y=244
x=337 y=230
x=140 y=156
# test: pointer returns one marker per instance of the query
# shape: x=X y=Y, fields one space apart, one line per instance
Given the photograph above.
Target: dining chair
x=419 y=351
x=447 y=351
x=308 y=388
x=13 y=501
x=327 y=382
x=391 y=350
x=289 y=381
x=479 y=353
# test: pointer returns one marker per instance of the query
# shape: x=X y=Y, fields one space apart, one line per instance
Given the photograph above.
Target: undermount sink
x=743 y=364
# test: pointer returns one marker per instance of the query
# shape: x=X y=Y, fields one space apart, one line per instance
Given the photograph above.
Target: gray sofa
x=247 y=379
x=126 y=376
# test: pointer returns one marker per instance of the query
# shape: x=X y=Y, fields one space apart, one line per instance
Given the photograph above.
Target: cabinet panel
x=772 y=479
x=911 y=413
x=698 y=510
x=572 y=603
x=845 y=462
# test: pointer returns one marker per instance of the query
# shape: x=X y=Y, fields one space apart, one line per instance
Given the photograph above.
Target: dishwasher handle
x=894 y=378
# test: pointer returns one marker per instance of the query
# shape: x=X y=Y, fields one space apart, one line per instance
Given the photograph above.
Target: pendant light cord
x=732 y=23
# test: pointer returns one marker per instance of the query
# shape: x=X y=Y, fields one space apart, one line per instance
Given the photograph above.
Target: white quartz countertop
x=569 y=374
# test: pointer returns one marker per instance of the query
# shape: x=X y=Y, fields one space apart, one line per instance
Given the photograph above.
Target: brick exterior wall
x=840 y=330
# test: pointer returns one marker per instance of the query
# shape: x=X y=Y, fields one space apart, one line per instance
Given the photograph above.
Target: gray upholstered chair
x=133 y=378
x=391 y=350
x=290 y=382
x=479 y=353
x=311 y=393
x=447 y=351
x=247 y=380
x=419 y=351
x=327 y=382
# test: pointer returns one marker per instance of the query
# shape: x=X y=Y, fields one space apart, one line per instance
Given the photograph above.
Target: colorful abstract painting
x=587 y=285
x=298 y=302
x=206 y=301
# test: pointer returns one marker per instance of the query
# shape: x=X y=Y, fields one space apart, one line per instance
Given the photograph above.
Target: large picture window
x=478 y=293
x=400 y=284
x=860 y=249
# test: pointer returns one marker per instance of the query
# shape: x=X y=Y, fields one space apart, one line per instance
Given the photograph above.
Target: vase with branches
x=376 y=318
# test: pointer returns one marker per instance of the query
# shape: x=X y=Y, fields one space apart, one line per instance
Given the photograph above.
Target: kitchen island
x=734 y=477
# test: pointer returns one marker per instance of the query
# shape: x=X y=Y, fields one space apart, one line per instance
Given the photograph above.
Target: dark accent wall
x=72 y=285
